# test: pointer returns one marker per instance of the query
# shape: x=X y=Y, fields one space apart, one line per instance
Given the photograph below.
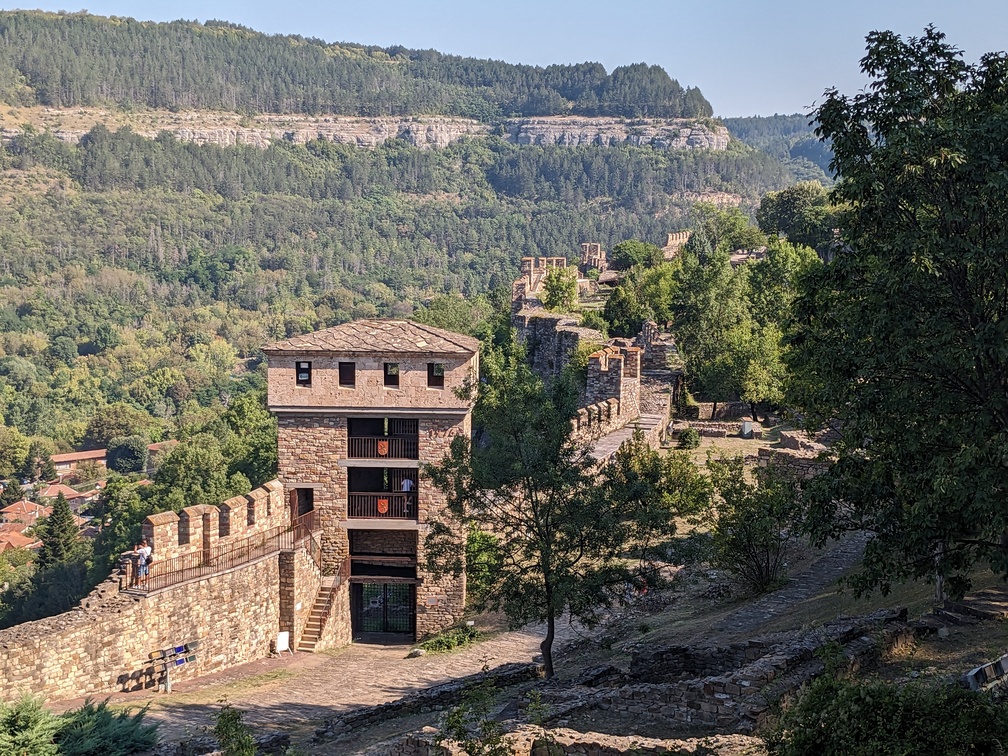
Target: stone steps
x=954 y=617
x=313 y=628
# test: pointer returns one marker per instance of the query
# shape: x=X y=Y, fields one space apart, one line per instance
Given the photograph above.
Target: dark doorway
x=382 y=608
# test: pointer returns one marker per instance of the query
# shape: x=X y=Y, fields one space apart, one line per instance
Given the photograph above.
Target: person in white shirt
x=143 y=552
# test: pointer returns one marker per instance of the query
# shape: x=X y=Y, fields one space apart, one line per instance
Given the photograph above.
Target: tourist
x=143 y=560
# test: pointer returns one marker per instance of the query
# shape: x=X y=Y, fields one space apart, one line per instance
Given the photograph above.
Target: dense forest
x=788 y=138
x=139 y=278
x=68 y=60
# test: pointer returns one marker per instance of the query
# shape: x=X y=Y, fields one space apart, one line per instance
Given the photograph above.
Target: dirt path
x=296 y=693
x=822 y=575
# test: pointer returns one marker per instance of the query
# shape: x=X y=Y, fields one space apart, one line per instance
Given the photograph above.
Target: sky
x=748 y=57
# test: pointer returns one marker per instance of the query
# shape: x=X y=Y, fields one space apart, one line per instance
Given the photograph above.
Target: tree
x=900 y=340
x=624 y=312
x=753 y=524
x=726 y=228
x=558 y=543
x=127 y=454
x=774 y=280
x=560 y=292
x=120 y=511
x=631 y=252
x=196 y=472
x=802 y=213
x=117 y=420
x=60 y=535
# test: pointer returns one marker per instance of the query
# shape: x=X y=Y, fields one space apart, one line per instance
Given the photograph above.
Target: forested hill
x=72 y=60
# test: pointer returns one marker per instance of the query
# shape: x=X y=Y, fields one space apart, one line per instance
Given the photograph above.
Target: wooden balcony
x=383 y=447
x=382 y=506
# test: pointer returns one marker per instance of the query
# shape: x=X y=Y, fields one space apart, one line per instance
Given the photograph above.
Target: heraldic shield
x=382 y=506
x=383 y=448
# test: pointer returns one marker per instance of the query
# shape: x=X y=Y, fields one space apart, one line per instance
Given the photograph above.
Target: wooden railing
x=388 y=506
x=383 y=447
x=163 y=573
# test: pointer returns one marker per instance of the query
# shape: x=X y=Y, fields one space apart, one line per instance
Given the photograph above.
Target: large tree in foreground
x=903 y=339
x=552 y=535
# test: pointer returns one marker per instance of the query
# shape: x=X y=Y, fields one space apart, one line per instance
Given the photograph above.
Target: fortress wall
x=103 y=645
x=206 y=526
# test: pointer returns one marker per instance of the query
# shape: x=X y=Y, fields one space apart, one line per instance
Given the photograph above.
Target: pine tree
x=59 y=535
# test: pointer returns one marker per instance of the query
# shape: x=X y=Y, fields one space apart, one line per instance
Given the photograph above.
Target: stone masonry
x=346 y=386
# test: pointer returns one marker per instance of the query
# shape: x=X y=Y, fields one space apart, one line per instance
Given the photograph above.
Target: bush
x=834 y=716
x=233 y=736
x=594 y=319
x=753 y=525
x=97 y=731
x=127 y=454
x=449 y=639
x=691 y=549
x=27 y=728
x=689 y=438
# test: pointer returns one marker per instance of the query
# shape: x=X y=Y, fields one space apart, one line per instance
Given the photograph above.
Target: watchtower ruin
x=361 y=407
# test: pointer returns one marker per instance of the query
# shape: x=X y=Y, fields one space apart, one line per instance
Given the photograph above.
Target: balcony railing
x=383 y=447
x=384 y=506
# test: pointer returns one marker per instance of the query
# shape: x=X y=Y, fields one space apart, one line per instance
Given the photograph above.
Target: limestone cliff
x=226 y=129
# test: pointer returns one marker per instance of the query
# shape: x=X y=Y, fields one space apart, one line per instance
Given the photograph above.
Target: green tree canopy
x=901 y=339
x=631 y=252
x=558 y=541
x=60 y=535
x=560 y=292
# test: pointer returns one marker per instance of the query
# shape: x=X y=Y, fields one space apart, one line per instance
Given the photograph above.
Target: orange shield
x=382 y=448
x=382 y=506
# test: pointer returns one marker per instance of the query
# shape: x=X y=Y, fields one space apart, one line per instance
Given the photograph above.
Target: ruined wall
x=803 y=466
x=103 y=645
x=551 y=338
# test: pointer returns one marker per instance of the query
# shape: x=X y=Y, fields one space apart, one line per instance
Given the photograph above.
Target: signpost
x=167 y=659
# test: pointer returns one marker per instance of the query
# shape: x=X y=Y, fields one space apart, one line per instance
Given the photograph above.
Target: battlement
x=614 y=373
x=204 y=526
x=533 y=274
x=675 y=243
x=596 y=420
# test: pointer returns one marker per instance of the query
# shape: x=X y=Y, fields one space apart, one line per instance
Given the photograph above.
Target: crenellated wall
x=205 y=526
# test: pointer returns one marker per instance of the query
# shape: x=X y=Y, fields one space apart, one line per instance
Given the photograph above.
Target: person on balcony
x=143 y=560
x=407 y=488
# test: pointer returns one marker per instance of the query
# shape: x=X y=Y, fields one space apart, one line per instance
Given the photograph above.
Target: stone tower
x=361 y=407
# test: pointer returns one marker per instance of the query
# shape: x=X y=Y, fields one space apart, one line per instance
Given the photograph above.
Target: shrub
x=594 y=319
x=560 y=292
x=27 y=728
x=449 y=639
x=95 y=730
x=689 y=438
x=233 y=736
x=691 y=549
x=127 y=454
x=834 y=716
x=753 y=525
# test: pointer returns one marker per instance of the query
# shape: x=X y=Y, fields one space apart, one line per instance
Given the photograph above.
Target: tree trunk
x=752 y=409
x=713 y=410
x=547 y=645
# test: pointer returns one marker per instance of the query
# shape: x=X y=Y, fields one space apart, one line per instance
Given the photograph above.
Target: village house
x=361 y=408
x=64 y=463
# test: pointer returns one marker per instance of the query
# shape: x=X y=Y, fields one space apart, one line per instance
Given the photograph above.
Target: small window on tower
x=303 y=377
x=392 y=374
x=435 y=374
x=347 y=374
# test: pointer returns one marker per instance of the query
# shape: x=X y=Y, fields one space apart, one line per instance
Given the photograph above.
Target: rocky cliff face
x=226 y=129
x=665 y=134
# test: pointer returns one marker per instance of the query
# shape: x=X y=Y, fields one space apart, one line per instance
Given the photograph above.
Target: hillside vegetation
x=67 y=60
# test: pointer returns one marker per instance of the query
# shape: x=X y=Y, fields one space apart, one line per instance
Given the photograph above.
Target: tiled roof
x=56 y=489
x=79 y=456
x=379 y=337
x=16 y=541
x=25 y=511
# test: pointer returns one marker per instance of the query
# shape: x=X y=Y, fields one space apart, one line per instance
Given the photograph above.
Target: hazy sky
x=748 y=57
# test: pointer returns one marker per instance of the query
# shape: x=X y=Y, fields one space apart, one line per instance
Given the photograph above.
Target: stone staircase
x=977 y=607
x=318 y=616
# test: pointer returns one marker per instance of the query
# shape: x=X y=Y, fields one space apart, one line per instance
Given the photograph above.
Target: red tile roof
x=16 y=541
x=25 y=511
x=56 y=489
x=79 y=456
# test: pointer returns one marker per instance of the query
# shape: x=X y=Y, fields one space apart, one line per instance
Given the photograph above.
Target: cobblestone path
x=297 y=692
x=820 y=577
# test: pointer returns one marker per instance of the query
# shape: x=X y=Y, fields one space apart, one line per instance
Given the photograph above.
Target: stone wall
x=801 y=466
x=614 y=373
x=300 y=580
x=308 y=448
x=551 y=338
x=725 y=411
x=206 y=526
x=596 y=420
x=103 y=645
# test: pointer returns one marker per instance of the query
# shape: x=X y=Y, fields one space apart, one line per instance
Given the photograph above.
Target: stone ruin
x=593 y=257
x=675 y=243
x=720 y=689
